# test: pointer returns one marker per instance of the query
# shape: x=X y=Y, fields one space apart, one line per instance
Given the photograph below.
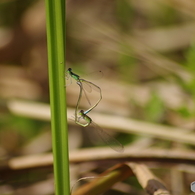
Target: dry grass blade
x=119 y=172
x=105 y=154
x=148 y=181
x=105 y=180
x=41 y=111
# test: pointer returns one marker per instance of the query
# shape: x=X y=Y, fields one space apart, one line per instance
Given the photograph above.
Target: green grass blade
x=55 y=11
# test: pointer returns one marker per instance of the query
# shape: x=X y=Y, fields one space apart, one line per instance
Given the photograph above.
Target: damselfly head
x=81 y=112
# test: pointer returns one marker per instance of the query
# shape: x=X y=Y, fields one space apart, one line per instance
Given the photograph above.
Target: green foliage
x=190 y=61
x=189 y=86
x=16 y=131
x=134 y=182
x=126 y=138
x=124 y=11
x=164 y=15
x=12 y=11
x=154 y=109
x=184 y=112
x=26 y=126
x=127 y=64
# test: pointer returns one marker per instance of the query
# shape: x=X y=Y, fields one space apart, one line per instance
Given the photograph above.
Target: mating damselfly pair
x=84 y=86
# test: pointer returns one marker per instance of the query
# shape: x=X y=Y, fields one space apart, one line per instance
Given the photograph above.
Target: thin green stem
x=55 y=11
